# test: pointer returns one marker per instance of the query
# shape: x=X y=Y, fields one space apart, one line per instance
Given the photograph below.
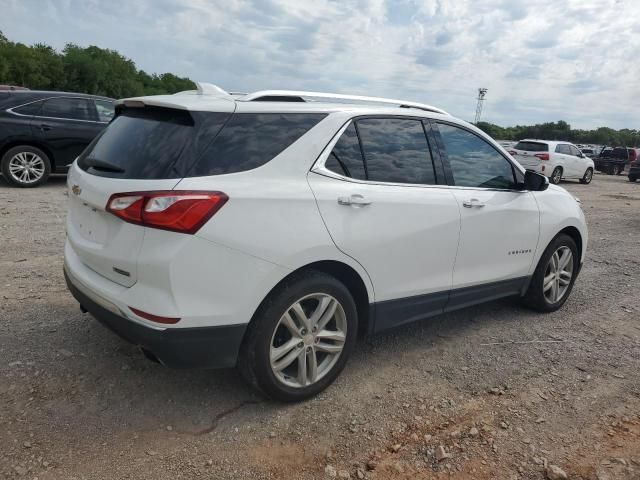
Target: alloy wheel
x=26 y=167
x=308 y=340
x=558 y=274
x=557 y=175
x=588 y=176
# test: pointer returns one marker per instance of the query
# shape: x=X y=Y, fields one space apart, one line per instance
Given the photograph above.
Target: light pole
x=482 y=92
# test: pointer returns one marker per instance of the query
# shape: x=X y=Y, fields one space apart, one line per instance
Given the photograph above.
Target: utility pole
x=482 y=92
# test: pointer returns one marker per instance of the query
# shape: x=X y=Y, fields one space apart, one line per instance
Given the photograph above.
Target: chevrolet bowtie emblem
x=76 y=189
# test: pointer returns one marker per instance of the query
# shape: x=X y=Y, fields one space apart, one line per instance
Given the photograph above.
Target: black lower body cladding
x=206 y=347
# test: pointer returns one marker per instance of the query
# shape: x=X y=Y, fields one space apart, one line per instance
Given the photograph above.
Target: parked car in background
x=614 y=160
x=43 y=132
x=556 y=160
x=268 y=232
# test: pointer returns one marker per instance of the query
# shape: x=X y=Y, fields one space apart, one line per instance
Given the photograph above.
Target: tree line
x=561 y=130
x=93 y=70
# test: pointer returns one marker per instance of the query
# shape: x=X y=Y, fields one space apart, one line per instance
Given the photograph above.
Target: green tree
x=92 y=70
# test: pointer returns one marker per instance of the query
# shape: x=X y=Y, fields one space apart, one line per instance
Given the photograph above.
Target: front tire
x=554 y=276
x=556 y=175
x=300 y=338
x=587 y=177
x=25 y=166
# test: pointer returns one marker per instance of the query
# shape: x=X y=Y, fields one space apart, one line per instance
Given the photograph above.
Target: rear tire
x=551 y=285
x=25 y=166
x=556 y=176
x=618 y=169
x=632 y=178
x=307 y=347
x=587 y=177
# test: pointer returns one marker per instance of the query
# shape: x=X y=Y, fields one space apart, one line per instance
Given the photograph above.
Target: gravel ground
x=495 y=391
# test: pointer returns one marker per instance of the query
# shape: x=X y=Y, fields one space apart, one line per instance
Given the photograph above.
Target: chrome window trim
x=320 y=169
x=10 y=110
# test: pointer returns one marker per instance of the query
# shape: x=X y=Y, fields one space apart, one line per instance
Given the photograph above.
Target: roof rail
x=291 y=95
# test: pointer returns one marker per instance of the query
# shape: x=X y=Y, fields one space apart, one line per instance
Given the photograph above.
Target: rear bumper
x=197 y=347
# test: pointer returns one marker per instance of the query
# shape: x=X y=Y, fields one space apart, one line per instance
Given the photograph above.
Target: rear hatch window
x=532 y=146
x=162 y=143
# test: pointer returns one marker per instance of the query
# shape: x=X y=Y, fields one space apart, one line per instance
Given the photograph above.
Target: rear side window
x=396 y=150
x=564 y=149
x=532 y=146
x=473 y=161
x=249 y=140
x=30 y=109
x=346 y=157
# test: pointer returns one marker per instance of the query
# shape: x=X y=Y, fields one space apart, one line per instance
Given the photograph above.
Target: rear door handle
x=472 y=203
x=355 y=200
x=44 y=127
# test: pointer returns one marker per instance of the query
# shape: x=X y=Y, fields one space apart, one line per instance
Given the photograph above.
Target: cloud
x=541 y=61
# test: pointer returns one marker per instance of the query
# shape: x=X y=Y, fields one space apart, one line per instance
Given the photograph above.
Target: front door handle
x=472 y=203
x=44 y=127
x=355 y=200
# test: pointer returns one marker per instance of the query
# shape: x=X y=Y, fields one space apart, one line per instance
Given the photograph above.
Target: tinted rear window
x=532 y=146
x=250 y=140
x=157 y=143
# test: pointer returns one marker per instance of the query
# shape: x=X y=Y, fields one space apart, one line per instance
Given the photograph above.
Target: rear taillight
x=542 y=156
x=178 y=211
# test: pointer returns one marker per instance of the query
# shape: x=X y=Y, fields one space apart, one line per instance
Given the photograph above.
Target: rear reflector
x=542 y=156
x=154 y=318
x=174 y=210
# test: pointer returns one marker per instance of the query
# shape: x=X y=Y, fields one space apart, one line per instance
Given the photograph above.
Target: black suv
x=43 y=132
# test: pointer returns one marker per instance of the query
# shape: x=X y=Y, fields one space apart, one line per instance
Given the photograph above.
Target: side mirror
x=535 y=182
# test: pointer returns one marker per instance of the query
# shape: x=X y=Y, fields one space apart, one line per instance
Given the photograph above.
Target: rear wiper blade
x=102 y=165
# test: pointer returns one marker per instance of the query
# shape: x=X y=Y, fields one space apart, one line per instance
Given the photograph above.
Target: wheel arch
x=345 y=274
x=575 y=234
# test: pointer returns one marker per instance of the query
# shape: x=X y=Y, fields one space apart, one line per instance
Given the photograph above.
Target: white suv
x=268 y=231
x=556 y=160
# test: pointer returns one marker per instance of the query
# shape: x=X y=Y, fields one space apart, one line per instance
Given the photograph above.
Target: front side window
x=346 y=156
x=105 y=110
x=70 y=108
x=574 y=151
x=396 y=150
x=473 y=161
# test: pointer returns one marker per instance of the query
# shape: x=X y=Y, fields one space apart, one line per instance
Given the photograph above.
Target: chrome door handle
x=473 y=202
x=357 y=200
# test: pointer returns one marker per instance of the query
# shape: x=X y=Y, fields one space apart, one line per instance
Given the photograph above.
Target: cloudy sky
x=542 y=60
